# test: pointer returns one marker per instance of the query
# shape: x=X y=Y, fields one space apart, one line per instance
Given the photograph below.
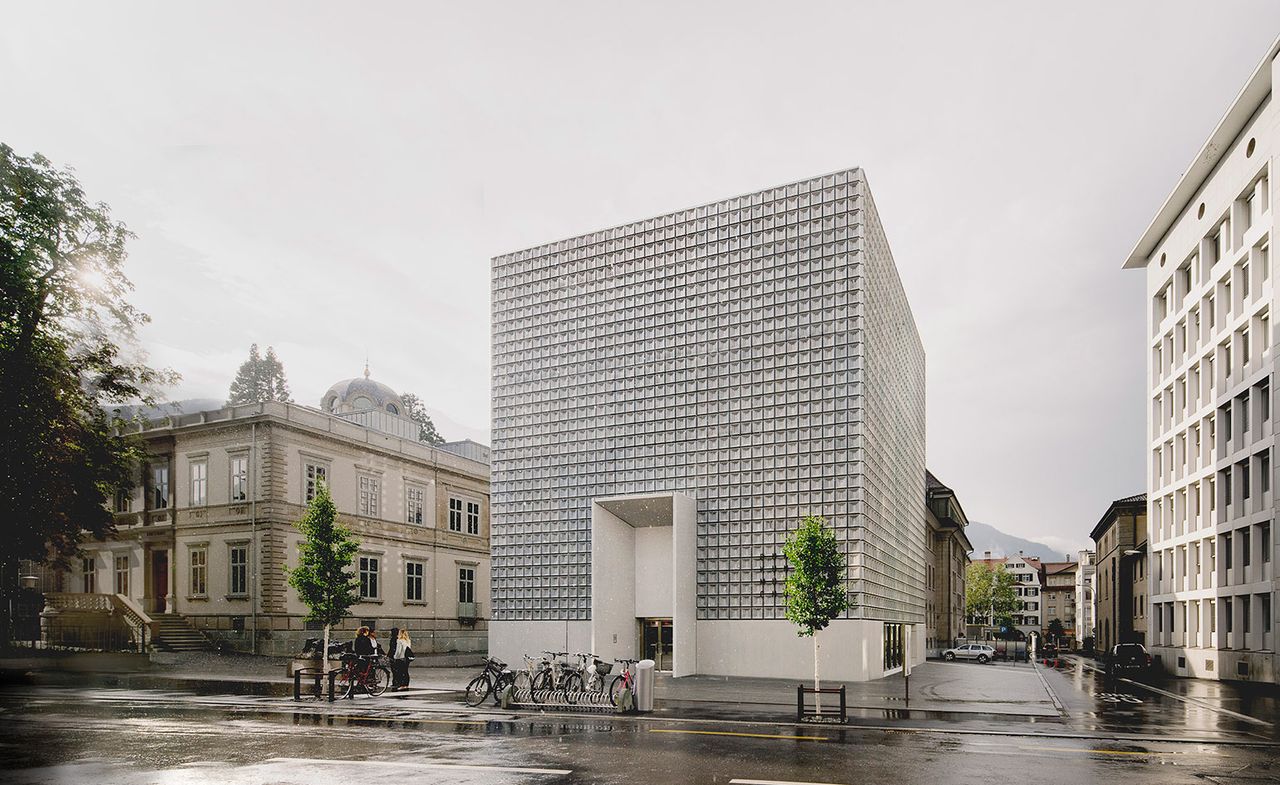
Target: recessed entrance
x=642 y=575
x=656 y=642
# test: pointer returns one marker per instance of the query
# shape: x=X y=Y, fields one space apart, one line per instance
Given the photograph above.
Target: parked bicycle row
x=557 y=675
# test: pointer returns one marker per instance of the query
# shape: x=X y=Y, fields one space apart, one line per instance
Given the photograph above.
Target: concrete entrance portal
x=642 y=573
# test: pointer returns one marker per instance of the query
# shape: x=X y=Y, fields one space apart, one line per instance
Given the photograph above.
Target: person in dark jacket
x=401 y=656
x=364 y=645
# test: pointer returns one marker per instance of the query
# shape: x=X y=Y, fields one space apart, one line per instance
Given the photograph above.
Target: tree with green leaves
x=68 y=357
x=1056 y=631
x=324 y=578
x=815 y=590
x=259 y=379
x=417 y=411
x=990 y=594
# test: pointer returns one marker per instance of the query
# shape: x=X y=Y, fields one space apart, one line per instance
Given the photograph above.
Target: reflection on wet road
x=109 y=736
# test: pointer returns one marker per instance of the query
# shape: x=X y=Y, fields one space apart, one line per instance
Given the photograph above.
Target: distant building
x=1059 y=598
x=945 y=579
x=1120 y=538
x=1028 y=574
x=203 y=541
x=1084 y=582
x=1211 y=436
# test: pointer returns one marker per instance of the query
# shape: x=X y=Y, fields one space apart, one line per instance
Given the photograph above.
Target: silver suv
x=970 y=651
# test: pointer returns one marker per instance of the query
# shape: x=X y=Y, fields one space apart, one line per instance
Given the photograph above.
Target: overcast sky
x=332 y=179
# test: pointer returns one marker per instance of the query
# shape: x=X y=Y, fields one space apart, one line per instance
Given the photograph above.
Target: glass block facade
x=757 y=354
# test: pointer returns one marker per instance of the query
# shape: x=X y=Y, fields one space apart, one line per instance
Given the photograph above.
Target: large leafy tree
x=259 y=379
x=67 y=357
x=417 y=411
x=990 y=594
x=324 y=579
x=815 y=588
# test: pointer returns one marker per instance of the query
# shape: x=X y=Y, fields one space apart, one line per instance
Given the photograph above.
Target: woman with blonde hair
x=401 y=656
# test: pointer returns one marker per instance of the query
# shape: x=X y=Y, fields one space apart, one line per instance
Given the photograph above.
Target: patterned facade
x=756 y=354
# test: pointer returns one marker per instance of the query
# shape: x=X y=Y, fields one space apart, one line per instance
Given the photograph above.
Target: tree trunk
x=817 y=696
x=324 y=652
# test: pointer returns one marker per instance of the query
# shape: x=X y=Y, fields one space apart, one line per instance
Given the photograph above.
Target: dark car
x=1128 y=658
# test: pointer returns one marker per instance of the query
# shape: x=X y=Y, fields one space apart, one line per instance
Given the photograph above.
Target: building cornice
x=1237 y=117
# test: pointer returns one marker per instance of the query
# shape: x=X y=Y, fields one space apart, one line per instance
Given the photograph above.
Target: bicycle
x=588 y=677
x=363 y=672
x=526 y=676
x=492 y=681
x=556 y=676
x=623 y=681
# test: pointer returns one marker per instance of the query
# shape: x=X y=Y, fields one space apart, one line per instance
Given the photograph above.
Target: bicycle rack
x=560 y=700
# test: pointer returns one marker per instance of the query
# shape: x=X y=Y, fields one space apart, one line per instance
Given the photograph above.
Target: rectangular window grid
x=199 y=483
x=369 y=496
x=413 y=499
x=369 y=568
x=238 y=570
x=455 y=515
x=315 y=473
x=414 y=573
x=199 y=572
x=239 y=478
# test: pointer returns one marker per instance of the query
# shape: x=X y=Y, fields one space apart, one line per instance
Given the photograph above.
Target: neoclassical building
x=203 y=541
x=949 y=549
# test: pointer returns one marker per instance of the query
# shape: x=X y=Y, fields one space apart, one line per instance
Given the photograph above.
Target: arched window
x=330 y=403
x=362 y=403
x=391 y=407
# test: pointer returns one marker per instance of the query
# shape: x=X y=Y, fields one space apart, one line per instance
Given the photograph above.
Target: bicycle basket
x=603 y=668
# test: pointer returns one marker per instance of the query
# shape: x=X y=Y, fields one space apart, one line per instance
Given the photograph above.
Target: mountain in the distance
x=988 y=538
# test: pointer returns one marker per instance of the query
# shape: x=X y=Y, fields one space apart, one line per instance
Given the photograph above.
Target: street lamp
x=28 y=581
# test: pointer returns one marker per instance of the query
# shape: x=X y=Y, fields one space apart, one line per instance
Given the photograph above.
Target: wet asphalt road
x=63 y=735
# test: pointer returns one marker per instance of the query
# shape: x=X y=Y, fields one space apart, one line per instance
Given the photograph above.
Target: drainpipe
x=253 y=532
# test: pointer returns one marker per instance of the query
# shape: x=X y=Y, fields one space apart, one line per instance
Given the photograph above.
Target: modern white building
x=1085 y=612
x=670 y=397
x=1207 y=256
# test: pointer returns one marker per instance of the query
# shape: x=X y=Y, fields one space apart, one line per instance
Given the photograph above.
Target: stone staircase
x=174 y=633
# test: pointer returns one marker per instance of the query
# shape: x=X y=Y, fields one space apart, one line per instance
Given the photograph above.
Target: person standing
x=364 y=644
x=401 y=656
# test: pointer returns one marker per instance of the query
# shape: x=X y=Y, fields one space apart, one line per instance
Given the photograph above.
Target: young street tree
x=324 y=580
x=259 y=379
x=417 y=411
x=815 y=588
x=990 y=594
x=1056 y=631
x=67 y=355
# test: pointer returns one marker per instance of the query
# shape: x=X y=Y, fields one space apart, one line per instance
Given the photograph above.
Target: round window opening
x=1200 y=212
x=362 y=403
x=1248 y=150
x=391 y=407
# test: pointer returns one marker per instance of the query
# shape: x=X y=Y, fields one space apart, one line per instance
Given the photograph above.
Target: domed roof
x=359 y=394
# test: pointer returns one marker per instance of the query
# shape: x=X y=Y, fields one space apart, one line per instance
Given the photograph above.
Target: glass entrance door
x=656 y=642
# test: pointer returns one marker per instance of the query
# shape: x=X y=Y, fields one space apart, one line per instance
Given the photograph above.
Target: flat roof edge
x=1238 y=114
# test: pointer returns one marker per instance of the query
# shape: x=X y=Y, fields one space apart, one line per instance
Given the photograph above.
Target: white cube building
x=670 y=397
x=1211 y=502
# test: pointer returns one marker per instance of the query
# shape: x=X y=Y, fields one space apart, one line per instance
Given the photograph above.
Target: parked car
x=1128 y=658
x=970 y=651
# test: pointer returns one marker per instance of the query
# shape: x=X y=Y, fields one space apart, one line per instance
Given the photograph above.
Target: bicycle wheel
x=541 y=684
x=615 y=689
x=377 y=681
x=572 y=687
x=503 y=681
x=478 y=689
x=346 y=683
